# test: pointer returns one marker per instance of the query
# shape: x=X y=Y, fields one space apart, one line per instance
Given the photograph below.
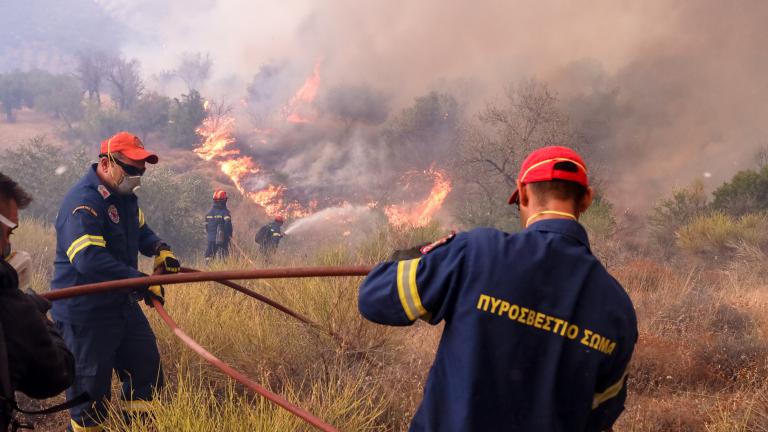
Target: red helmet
x=279 y=218
x=219 y=195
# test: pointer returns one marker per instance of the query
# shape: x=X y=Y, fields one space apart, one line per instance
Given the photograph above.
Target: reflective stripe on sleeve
x=136 y=406
x=141 y=218
x=77 y=428
x=610 y=392
x=407 y=289
x=82 y=243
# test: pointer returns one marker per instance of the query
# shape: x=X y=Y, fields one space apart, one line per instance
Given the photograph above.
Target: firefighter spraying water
x=268 y=237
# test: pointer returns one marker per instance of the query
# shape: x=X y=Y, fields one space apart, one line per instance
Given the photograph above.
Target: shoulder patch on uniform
x=87 y=209
x=436 y=244
x=114 y=216
x=103 y=191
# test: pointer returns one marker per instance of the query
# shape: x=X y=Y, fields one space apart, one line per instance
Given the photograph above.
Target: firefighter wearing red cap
x=100 y=231
x=268 y=237
x=218 y=227
x=537 y=334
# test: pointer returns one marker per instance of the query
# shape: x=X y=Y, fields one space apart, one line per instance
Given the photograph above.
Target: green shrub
x=670 y=214
x=185 y=117
x=746 y=192
x=45 y=171
x=101 y=123
x=718 y=233
x=598 y=219
x=175 y=206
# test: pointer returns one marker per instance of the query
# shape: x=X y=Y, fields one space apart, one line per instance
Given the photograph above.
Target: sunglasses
x=130 y=170
x=7 y=222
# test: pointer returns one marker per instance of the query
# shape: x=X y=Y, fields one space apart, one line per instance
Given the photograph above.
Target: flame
x=421 y=214
x=301 y=102
x=217 y=146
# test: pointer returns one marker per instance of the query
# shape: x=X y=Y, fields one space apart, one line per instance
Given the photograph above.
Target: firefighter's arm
x=148 y=240
x=611 y=391
x=228 y=225
x=400 y=292
x=42 y=364
x=83 y=235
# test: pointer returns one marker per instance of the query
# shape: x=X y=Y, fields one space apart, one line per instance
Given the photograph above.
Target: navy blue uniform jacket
x=218 y=216
x=98 y=237
x=537 y=334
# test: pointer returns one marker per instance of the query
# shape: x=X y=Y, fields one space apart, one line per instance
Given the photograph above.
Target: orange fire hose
x=238 y=376
x=216 y=276
x=192 y=275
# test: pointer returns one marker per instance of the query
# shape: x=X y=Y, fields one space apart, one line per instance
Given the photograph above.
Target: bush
x=747 y=192
x=598 y=219
x=186 y=116
x=101 y=123
x=670 y=214
x=45 y=171
x=718 y=234
x=175 y=206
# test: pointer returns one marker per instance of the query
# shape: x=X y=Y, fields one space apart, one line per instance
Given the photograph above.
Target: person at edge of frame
x=33 y=357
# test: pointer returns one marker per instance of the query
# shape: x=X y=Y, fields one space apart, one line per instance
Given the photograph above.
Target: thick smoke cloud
x=665 y=90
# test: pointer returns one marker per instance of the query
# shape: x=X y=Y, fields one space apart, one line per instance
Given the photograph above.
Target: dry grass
x=700 y=364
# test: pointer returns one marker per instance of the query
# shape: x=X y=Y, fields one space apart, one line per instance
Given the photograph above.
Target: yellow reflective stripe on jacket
x=610 y=392
x=82 y=243
x=407 y=289
x=136 y=406
x=141 y=218
x=77 y=428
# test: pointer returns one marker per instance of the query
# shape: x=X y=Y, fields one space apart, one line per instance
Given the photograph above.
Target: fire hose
x=223 y=277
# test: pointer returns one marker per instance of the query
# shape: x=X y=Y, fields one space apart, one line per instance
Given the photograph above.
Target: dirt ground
x=28 y=124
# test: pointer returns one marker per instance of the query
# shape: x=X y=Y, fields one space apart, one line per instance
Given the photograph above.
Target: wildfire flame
x=250 y=179
x=302 y=100
x=421 y=214
x=217 y=146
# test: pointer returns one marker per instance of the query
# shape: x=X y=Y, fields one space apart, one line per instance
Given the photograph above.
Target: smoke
x=664 y=90
x=686 y=106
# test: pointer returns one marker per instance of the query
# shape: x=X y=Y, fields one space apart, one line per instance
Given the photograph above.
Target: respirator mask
x=21 y=261
x=131 y=181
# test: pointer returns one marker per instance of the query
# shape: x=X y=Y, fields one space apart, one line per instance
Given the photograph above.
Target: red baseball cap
x=544 y=165
x=129 y=145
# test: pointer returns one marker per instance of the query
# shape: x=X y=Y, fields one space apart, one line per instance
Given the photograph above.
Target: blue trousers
x=129 y=348
x=216 y=251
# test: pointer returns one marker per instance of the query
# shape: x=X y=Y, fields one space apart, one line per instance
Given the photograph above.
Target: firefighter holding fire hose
x=218 y=227
x=537 y=334
x=100 y=230
x=268 y=237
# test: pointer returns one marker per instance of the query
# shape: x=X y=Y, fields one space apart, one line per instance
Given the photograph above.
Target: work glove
x=406 y=254
x=166 y=260
x=156 y=292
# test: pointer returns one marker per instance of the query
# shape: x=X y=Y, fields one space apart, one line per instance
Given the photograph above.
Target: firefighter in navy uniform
x=33 y=357
x=537 y=334
x=218 y=227
x=268 y=237
x=100 y=230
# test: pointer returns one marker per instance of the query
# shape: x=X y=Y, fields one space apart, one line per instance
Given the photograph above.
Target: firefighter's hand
x=166 y=261
x=154 y=292
x=406 y=254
